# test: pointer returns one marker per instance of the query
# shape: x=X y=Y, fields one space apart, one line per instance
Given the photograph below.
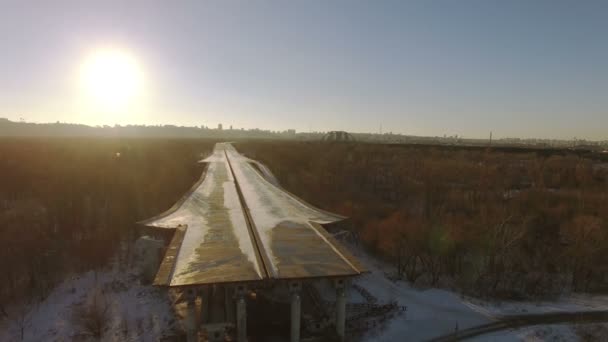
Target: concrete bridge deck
x=236 y=226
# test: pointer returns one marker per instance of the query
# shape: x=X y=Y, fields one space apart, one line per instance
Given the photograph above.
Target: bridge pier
x=190 y=319
x=241 y=319
x=340 y=285
x=241 y=314
x=294 y=289
x=205 y=307
x=229 y=304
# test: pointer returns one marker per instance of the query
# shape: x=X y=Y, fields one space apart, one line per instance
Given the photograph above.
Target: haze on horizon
x=517 y=68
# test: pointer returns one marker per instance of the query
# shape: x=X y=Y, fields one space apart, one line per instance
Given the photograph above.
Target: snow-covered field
x=144 y=313
x=436 y=312
x=138 y=312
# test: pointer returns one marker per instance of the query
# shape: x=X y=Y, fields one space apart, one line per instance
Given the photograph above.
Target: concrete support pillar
x=228 y=300
x=340 y=312
x=205 y=307
x=295 y=317
x=241 y=319
x=190 y=319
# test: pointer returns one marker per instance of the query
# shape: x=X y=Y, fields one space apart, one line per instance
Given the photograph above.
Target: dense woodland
x=489 y=222
x=66 y=205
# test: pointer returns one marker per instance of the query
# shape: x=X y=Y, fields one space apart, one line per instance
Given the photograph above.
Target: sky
x=518 y=68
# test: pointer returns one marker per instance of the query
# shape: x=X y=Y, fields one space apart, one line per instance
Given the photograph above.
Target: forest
x=68 y=204
x=488 y=222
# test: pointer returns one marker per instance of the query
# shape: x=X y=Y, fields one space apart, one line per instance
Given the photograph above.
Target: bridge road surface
x=236 y=226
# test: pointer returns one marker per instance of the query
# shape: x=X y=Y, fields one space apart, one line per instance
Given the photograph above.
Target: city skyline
x=518 y=69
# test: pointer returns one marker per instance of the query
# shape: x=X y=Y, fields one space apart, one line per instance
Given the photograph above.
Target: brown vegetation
x=491 y=222
x=67 y=204
x=591 y=332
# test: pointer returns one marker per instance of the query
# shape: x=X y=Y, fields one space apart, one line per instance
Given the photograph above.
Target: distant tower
x=231 y=127
x=219 y=127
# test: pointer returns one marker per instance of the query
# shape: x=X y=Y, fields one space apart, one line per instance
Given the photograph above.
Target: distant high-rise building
x=231 y=127
x=219 y=127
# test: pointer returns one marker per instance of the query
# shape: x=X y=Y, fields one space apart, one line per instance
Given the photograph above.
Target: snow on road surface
x=292 y=246
x=239 y=226
x=217 y=245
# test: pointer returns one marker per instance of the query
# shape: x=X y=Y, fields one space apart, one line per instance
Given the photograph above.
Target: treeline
x=29 y=129
x=492 y=223
x=67 y=204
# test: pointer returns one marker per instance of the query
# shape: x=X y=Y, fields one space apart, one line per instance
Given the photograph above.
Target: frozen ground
x=435 y=312
x=138 y=312
x=142 y=313
x=554 y=333
x=430 y=313
x=573 y=302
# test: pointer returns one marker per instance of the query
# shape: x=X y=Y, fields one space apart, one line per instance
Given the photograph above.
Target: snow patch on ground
x=430 y=313
x=554 y=333
x=138 y=312
x=144 y=313
x=566 y=303
x=435 y=312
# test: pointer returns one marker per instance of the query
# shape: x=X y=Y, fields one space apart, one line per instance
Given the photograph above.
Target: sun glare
x=112 y=80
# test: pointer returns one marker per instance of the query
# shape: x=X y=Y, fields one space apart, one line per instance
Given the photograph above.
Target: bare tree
x=21 y=316
x=93 y=317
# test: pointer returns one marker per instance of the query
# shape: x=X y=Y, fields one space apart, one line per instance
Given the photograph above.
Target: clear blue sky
x=519 y=68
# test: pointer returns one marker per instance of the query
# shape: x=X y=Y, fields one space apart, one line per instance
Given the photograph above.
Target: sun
x=112 y=80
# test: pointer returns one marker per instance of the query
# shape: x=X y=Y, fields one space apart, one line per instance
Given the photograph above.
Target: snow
x=200 y=208
x=270 y=206
x=268 y=175
x=435 y=312
x=205 y=210
x=556 y=333
x=144 y=313
x=138 y=312
x=260 y=194
x=430 y=313
x=240 y=227
x=572 y=302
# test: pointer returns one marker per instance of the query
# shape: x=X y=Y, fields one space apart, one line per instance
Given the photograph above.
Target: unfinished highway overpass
x=237 y=235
